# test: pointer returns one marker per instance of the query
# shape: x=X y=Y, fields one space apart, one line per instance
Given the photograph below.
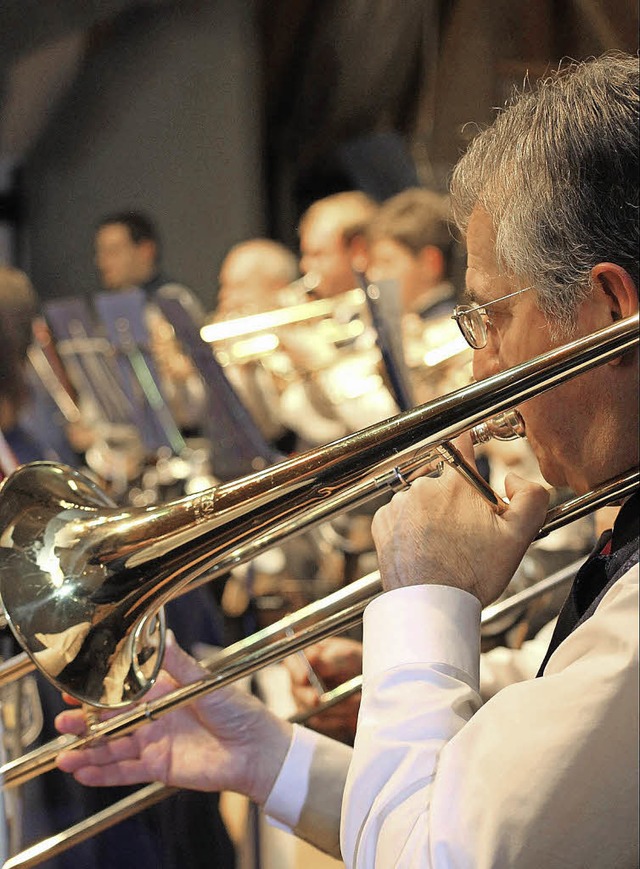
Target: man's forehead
x=482 y=265
x=114 y=232
x=481 y=243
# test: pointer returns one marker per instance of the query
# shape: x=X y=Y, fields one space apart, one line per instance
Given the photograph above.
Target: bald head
x=252 y=273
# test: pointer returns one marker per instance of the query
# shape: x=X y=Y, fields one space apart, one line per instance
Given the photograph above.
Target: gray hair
x=558 y=174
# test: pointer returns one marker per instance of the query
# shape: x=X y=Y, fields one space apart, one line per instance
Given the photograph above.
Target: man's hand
x=441 y=531
x=227 y=740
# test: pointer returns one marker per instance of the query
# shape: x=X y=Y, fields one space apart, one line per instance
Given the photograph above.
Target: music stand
x=88 y=358
x=238 y=447
x=383 y=301
x=123 y=317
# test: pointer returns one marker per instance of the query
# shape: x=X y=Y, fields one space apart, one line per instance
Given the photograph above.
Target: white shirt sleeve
x=306 y=798
x=543 y=774
x=289 y=791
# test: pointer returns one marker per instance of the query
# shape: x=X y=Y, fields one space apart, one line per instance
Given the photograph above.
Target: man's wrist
x=273 y=746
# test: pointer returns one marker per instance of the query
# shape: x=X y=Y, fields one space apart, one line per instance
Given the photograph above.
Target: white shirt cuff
x=289 y=792
x=415 y=624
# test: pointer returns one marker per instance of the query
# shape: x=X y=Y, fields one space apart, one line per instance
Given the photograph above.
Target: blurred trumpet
x=246 y=337
x=437 y=356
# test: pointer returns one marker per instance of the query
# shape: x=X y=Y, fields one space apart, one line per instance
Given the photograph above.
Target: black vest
x=598 y=573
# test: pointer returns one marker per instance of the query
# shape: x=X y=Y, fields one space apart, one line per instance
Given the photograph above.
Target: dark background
x=224 y=119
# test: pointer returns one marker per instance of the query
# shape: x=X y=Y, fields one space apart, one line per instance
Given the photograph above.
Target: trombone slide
x=98 y=574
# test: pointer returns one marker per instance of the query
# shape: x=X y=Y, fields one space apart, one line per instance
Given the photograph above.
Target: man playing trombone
x=545 y=773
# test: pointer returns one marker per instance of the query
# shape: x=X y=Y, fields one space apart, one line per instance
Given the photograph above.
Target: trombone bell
x=79 y=631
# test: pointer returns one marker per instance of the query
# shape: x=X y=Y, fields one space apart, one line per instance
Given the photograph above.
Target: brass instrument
x=267 y=335
x=266 y=321
x=437 y=356
x=287 y=363
x=83 y=581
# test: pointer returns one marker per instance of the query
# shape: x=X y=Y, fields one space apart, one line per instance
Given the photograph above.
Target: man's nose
x=485 y=363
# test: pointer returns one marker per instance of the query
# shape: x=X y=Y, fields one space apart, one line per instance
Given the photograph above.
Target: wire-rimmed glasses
x=472 y=320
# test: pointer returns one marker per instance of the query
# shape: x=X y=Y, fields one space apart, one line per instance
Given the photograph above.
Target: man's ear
x=432 y=263
x=615 y=290
x=149 y=248
x=358 y=252
x=616 y=295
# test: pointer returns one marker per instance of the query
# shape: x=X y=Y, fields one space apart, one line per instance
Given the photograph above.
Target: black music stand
x=123 y=317
x=88 y=358
x=383 y=301
x=238 y=447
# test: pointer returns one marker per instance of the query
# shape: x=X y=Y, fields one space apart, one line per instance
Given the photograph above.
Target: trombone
x=331 y=615
x=222 y=331
x=130 y=562
x=83 y=581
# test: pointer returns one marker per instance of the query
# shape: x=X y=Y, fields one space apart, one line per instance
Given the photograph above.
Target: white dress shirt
x=545 y=774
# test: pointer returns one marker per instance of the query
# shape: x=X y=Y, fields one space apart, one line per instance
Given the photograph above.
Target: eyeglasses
x=472 y=320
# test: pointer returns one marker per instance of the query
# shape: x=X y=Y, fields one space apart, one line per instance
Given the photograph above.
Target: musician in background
x=17 y=445
x=339 y=382
x=38 y=415
x=254 y=277
x=333 y=243
x=286 y=389
x=410 y=241
x=128 y=255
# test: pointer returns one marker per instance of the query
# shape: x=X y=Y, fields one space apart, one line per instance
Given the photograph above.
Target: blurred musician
x=340 y=388
x=18 y=445
x=47 y=411
x=410 y=241
x=546 y=772
x=319 y=377
x=254 y=276
x=333 y=242
x=127 y=255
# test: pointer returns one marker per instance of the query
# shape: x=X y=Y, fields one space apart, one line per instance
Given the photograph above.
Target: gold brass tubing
x=453 y=456
x=15 y=668
x=143 y=798
x=240 y=327
x=318 y=620
x=85 y=829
